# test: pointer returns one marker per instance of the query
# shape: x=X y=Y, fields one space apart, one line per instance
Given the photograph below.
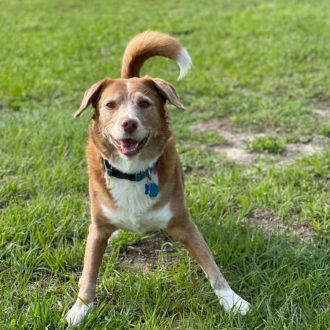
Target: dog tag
x=146 y=188
x=153 y=190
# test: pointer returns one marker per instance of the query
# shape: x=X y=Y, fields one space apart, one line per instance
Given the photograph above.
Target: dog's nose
x=129 y=125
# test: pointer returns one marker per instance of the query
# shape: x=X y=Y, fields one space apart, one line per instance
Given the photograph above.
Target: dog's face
x=130 y=114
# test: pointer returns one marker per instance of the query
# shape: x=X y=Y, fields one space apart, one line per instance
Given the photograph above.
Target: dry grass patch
x=145 y=253
x=237 y=146
x=271 y=224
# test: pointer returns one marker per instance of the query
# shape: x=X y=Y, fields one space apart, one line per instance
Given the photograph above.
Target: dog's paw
x=231 y=301
x=114 y=236
x=77 y=313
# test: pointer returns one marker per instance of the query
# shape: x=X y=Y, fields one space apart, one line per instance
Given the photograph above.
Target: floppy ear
x=91 y=96
x=168 y=92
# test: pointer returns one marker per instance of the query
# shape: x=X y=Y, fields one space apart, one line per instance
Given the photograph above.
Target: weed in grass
x=325 y=131
x=268 y=143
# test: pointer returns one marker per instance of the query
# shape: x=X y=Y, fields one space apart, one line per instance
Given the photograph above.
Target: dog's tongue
x=128 y=146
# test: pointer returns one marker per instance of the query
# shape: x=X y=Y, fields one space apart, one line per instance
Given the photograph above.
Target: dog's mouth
x=130 y=147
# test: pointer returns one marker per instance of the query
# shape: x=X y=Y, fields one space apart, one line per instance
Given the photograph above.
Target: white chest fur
x=134 y=209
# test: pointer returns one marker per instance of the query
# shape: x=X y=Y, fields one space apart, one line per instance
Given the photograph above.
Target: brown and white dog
x=135 y=176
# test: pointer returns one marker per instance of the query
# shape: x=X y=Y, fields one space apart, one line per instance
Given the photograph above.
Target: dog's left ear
x=91 y=96
x=168 y=92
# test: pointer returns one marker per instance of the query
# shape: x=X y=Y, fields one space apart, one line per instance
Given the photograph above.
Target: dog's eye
x=144 y=104
x=111 y=105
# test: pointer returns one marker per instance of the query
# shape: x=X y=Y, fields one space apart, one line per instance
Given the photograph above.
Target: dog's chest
x=134 y=210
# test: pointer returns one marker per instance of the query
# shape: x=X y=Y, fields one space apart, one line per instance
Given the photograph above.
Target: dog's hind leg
x=187 y=233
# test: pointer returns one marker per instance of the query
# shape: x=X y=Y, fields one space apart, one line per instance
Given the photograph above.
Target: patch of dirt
x=17 y=198
x=145 y=253
x=322 y=109
x=236 y=148
x=322 y=113
x=270 y=224
x=3 y=108
x=215 y=124
x=239 y=155
x=293 y=150
x=4 y=204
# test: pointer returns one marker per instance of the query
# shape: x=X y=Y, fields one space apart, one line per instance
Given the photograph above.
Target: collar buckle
x=140 y=176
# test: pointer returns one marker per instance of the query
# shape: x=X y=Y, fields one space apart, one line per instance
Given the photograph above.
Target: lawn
x=254 y=143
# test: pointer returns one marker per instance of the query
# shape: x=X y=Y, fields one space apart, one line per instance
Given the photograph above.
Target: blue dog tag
x=146 y=189
x=153 y=190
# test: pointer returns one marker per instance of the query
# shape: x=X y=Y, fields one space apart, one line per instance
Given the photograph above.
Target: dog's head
x=130 y=114
x=130 y=117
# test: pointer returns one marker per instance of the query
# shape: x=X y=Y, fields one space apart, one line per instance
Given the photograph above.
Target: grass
x=258 y=66
x=268 y=143
x=326 y=131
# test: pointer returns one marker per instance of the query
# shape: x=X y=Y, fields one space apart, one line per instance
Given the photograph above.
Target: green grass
x=326 y=131
x=258 y=66
x=267 y=143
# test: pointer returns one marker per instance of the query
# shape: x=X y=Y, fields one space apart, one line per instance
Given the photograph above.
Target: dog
x=135 y=176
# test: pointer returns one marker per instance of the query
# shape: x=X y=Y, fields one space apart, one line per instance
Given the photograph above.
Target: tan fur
x=145 y=45
x=122 y=93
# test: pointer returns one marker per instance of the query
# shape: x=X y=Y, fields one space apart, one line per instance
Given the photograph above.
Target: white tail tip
x=184 y=62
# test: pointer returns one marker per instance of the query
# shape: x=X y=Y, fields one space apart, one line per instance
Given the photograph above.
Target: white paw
x=78 y=312
x=231 y=301
x=114 y=236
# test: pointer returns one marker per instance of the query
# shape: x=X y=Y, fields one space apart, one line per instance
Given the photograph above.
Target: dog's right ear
x=91 y=96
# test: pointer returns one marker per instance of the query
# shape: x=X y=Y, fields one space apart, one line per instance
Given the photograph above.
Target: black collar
x=112 y=171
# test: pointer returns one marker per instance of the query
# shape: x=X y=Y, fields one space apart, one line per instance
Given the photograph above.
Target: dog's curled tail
x=152 y=43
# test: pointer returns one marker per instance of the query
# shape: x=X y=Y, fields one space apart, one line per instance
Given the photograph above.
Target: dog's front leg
x=96 y=243
x=186 y=232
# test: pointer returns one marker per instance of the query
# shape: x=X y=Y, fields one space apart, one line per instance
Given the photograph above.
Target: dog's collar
x=112 y=171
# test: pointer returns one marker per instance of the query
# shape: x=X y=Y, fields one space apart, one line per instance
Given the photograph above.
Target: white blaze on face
x=129 y=111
